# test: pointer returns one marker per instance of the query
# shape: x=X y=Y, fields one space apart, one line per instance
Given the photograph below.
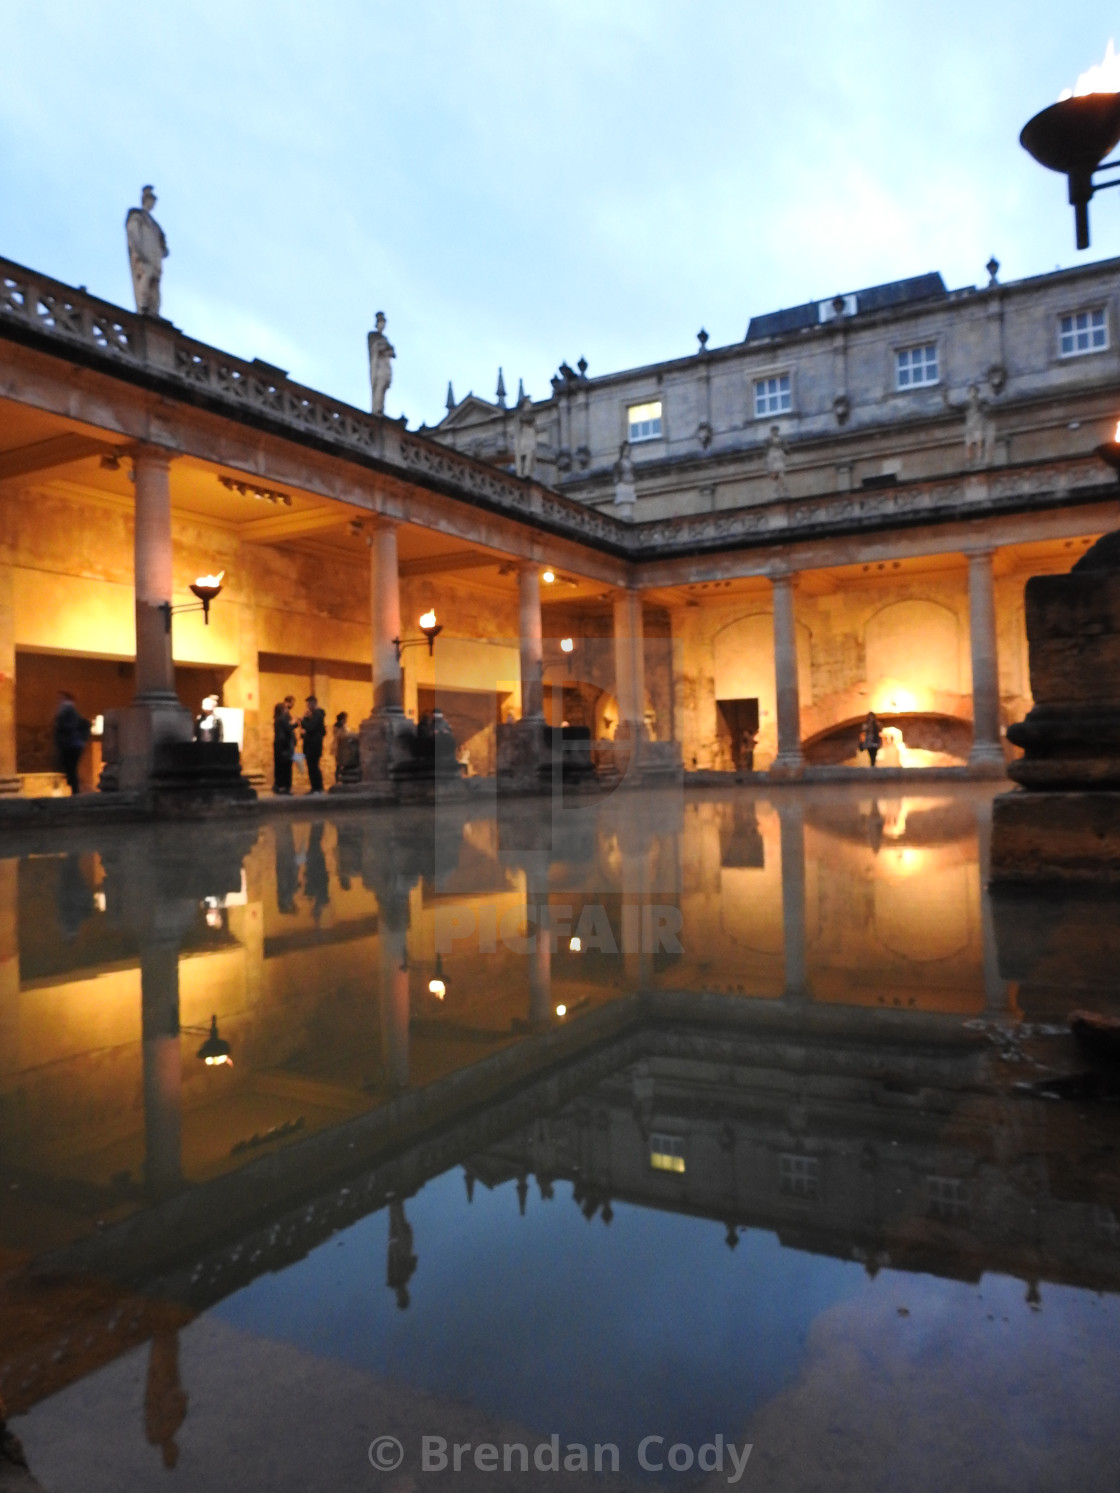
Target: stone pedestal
x=398 y=760
x=1064 y=821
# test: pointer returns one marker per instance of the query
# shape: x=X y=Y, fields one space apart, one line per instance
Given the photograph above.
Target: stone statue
x=776 y=460
x=147 y=249
x=625 y=492
x=979 y=431
x=525 y=437
x=381 y=355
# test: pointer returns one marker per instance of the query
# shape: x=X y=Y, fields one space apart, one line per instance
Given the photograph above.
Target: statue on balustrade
x=776 y=461
x=625 y=490
x=381 y=355
x=147 y=249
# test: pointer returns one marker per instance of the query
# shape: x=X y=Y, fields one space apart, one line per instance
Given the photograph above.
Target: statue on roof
x=776 y=461
x=381 y=355
x=979 y=431
x=525 y=437
x=147 y=249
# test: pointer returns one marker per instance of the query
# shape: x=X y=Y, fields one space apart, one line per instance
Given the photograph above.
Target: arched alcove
x=914 y=656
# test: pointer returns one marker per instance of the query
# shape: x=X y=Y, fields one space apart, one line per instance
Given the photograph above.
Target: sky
x=521 y=182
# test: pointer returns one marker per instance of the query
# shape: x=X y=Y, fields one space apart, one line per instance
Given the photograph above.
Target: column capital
x=150 y=455
x=982 y=552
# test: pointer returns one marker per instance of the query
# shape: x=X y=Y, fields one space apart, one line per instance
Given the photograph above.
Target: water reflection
x=800 y=1017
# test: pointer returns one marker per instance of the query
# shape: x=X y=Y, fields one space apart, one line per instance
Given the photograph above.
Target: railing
x=54 y=313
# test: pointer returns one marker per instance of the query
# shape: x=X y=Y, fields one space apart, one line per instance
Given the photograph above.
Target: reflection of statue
x=525 y=437
x=776 y=460
x=402 y=1262
x=165 y=1401
x=147 y=249
x=625 y=492
x=979 y=431
x=381 y=355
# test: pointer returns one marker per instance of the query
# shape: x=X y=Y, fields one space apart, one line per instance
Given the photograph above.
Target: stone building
x=837 y=514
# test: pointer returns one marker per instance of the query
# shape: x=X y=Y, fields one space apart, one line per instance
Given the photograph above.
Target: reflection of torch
x=1074 y=135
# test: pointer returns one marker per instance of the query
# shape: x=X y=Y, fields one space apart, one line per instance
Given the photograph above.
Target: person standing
x=283 y=748
x=314 y=728
x=871 y=737
x=71 y=732
x=339 y=732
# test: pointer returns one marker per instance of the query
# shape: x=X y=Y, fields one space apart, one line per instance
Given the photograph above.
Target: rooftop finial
x=520 y=390
x=501 y=391
x=450 y=397
x=992 y=268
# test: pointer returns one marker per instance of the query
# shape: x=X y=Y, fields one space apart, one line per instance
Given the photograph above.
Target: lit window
x=771 y=396
x=917 y=366
x=799 y=1176
x=645 y=421
x=1083 y=332
x=666 y=1153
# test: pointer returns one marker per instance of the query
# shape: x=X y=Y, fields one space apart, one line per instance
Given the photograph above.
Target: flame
x=566 y=645
x=576 y=945
x=214 y=581
x=1102 y=77
x=428 y=620
x=1116 y=437
x=225 y=1061
x=561 y=1010
x=437 y=988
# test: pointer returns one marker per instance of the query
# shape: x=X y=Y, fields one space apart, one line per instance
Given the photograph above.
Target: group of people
x=312 y=729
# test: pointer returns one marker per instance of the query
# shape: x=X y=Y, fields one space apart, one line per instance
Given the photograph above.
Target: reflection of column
x=785 y=677
x=532 y=645
x=402 y=1260
x=9 y=783
x=163 y=1069
x=155 y=672
x=635 y=849
x=629 y=663
x=791 y=818
x=9 y=967
x=986 y=745
x=385 y=614
x=995 y=988
x=393 y=940
x=540 y=956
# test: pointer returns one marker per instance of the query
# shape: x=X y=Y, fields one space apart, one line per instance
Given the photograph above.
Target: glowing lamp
x=215 y=1052
x=548 y=576
x=1110 y=450
x=206 y=587
x=575 y=944
x=561 y=1010
x=1074 y=135
x=437 y=985
x=566 y=645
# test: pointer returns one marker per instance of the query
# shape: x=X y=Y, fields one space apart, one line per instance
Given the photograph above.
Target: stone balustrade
x=48 y=314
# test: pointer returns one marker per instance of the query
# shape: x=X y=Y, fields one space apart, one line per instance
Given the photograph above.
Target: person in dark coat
x=71 y=732
x=283 y=748
x=871 y=737
x=314 y=728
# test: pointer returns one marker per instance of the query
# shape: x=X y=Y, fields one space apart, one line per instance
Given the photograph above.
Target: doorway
x=740 y=718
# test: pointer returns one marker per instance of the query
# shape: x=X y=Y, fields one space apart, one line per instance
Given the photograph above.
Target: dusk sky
x=518 y=184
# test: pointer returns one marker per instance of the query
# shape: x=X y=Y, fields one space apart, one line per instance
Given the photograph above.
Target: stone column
x=385 y=614
x=986 y=745
x=996 y=992
x=791 y=819
x=9 y=782
x=629 y=664
x=10 y=1062
x=155 y=672
x=155 y=716
x=532 y=645
x=789 y=759
x=243 y=692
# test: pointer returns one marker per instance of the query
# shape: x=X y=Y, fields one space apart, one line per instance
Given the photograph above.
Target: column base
x=787 y=765
x=397 y=757
x=132 y=736
x=11 y=787
x=987 y=757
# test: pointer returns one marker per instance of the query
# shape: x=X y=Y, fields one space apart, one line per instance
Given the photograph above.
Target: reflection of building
x=871 y=554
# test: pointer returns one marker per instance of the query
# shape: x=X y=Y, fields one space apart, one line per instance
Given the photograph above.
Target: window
x=666 y=1152
x=916 y=366
x=1082 y=332
x=947 y=1199
x=771 y=396
x=799 y=1176
x=645 y=421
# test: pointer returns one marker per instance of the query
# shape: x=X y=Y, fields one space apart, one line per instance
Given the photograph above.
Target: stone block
x=1056 y=836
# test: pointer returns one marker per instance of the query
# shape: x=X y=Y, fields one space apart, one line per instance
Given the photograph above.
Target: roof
x=875 y=298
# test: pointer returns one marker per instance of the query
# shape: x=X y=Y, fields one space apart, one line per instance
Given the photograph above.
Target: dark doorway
x=740 y=717
x=473 y=718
